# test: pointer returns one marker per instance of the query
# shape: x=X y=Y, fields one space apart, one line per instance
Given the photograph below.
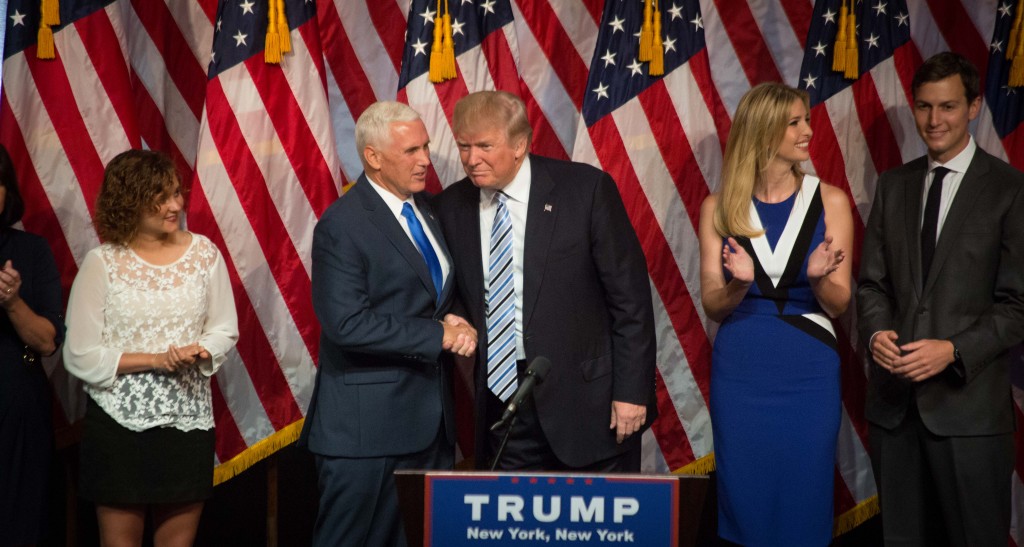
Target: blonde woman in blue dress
x=773 y=244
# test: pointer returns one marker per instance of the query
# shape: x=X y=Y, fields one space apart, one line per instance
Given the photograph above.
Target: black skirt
x=159 y=465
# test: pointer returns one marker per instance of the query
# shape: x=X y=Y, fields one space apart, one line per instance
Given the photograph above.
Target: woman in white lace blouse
x=150 y=318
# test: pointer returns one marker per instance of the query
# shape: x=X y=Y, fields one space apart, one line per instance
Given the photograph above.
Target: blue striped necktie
x=423 y=244
x=501 y=307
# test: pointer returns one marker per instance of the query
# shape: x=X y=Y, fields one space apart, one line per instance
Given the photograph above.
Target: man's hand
x=627 y=419
x=923 y=359
x=884 y=349
x=459 y=336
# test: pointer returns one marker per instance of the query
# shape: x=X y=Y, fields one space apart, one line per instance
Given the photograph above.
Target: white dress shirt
x=395 y=205
x=518 y=192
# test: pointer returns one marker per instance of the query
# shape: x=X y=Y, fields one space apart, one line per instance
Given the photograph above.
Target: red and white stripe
x=275 y=144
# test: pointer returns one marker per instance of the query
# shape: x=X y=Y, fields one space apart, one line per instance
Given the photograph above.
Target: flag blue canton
x=882 y=26
x=472 y=21
x=22 y=24
x=1004 y=101
x=241 y=30
x=616 y=75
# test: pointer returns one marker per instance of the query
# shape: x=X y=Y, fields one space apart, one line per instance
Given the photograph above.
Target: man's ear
x=372 y=157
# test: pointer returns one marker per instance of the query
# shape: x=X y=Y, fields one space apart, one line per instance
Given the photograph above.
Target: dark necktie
x=930 y=226
x=423 y=244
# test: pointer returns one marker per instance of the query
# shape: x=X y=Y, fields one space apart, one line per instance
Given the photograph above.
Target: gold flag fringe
x=855 y=517
x=257 y=452
x=701 y=466
x=840 y=525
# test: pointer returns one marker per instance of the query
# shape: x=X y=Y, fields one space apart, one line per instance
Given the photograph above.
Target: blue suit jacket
x=382 y=387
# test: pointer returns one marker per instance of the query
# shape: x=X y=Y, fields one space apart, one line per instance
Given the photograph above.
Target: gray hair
x=373 y=128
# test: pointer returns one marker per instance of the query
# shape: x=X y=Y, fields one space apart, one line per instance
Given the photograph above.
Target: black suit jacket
x=382 y=387
x=974 y=295
x=586 y=304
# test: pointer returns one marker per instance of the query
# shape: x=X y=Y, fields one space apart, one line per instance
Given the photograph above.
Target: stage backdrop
x=265 y=146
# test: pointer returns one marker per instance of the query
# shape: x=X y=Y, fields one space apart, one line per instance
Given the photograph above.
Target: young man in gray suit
x=382 y=285
x=940 y=303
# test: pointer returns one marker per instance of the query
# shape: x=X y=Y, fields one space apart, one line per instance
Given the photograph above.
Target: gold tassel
x=1015 y=36
x=436 y=62
x=852 y=56
x=272 y=48
x=282 y=29
x=657 y=66
x=448 y=47
x=646 y=30
x=44 y=43
x=50 y=11
x=1016 y=78
x=839 y=49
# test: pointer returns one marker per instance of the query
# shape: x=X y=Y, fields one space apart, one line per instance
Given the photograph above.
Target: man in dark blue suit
x=381 y=289
x=548 y=265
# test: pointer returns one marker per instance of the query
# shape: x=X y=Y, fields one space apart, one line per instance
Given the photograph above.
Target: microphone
x=535 y=374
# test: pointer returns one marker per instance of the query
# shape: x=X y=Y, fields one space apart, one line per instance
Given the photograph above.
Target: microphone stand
x=504 y=441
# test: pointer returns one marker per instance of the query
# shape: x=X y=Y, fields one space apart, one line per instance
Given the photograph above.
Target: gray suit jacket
x=974 y=295
x=382 y=387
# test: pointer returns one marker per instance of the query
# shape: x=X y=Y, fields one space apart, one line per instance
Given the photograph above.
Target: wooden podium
x=695 y=515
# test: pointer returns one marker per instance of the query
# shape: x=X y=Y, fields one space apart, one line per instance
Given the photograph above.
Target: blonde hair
x=757 y=130
x=485 y=109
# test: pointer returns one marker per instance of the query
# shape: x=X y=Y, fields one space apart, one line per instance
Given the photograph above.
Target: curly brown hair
x=134 y=182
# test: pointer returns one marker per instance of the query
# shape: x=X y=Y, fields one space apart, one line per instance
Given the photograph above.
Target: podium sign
x=545 y=509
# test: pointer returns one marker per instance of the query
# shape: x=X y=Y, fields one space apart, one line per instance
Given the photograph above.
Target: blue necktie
x=426 y=249
x=501 y=307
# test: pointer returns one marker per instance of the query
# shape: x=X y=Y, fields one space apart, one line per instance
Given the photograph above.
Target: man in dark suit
x=381 y=288
x=548 y=263
x=940 y=303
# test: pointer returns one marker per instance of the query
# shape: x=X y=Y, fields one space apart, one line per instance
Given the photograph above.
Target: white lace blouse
x=120 y=303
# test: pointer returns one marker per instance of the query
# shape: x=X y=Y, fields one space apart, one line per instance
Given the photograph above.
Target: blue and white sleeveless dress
x=775 y=399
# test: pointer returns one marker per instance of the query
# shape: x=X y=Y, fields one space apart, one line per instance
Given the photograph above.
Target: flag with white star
x=266 y=170
x=660 y=138
x=882 y=26
x=485 y=51
x=1005 y=102
x=616 y=73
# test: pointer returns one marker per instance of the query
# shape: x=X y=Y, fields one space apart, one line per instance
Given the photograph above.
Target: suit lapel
x=970 y=187
x=385 y=221
x=914 y=187
x=467 y=246
x=435 y=228
x=541 y=213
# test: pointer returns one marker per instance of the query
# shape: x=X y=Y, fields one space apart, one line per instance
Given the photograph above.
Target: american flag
x=266 y=147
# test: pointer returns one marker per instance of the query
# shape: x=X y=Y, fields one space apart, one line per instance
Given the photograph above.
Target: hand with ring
x=10 y=283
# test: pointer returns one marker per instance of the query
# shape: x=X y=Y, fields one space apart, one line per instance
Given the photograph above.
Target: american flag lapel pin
x=548 y=207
